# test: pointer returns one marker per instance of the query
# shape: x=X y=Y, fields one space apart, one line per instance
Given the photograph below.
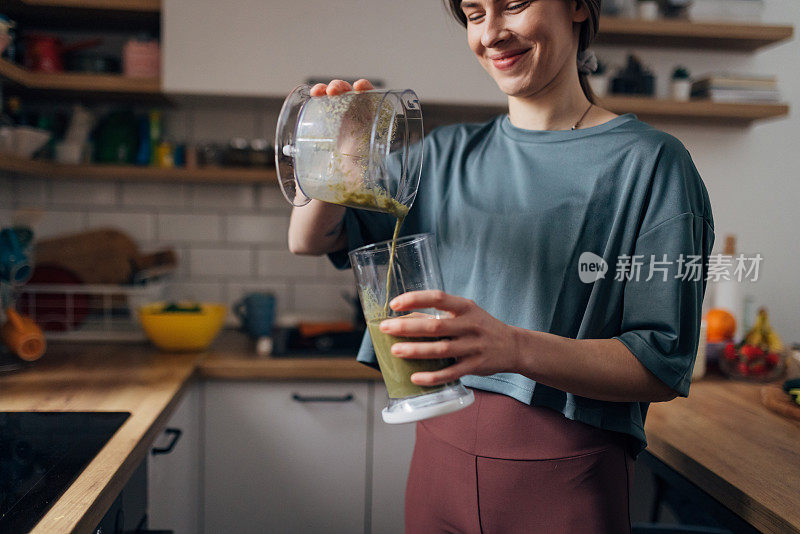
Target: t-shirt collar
x=549 y=136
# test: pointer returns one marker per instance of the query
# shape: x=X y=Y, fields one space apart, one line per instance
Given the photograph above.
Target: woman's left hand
x=481 y=344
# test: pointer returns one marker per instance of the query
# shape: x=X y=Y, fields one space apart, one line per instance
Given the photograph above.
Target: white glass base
x=411 y=409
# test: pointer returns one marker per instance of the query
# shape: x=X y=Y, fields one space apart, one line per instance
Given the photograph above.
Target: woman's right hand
x=318 y=227
x=337 y=87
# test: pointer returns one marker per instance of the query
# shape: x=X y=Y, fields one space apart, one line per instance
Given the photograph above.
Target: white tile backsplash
x=282 y=263
x=269 y=197
x=221 y=262
x=30 y=192
x=140 y=226
x=53 y=223
x=199 y=291
x=89 y=192
x=314 y=296
x=146 y=195
x=257 y=229
x=223 y=196
x=6 y=191
x=189 y=228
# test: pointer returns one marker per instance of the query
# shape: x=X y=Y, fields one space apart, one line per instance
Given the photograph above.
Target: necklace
x=575 y=126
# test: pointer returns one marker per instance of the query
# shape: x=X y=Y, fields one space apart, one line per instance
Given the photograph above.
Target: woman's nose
x=494 y=31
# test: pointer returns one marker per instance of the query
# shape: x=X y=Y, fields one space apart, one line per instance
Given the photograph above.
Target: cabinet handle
x=176 y=435
x=322 y=398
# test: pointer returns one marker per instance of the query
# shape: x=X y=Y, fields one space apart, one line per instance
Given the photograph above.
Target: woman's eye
x=474 y=18
x=517 y=6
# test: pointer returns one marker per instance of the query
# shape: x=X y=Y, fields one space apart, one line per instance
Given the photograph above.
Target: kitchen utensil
x=116 y=138
x=181 y=329
x=415 y=267
x=353 y=149
x=256 y=311
x=22 y=336
x=15 y=263
x=56 y=311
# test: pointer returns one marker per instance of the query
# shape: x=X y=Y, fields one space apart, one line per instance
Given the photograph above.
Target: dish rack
x=91 y=312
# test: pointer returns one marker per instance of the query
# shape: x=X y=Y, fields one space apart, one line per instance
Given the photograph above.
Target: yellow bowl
x=182 y=331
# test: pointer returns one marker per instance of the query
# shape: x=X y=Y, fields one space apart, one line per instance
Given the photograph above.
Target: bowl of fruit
x=759 y=357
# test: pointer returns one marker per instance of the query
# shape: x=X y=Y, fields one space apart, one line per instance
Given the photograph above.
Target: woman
x=563 y=356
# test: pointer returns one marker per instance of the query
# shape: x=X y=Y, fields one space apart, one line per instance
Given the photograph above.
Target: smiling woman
x=562 y=366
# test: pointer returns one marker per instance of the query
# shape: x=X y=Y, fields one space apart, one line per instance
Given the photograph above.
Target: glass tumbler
x=415 y=266
x=360 y=149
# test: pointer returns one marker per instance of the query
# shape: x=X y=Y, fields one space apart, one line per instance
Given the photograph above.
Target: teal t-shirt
x=515 y=213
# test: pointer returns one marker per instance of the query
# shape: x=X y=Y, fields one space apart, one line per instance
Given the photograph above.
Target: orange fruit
x=720 y=325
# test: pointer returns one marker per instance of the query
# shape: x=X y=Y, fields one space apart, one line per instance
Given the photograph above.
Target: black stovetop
x=41 y=454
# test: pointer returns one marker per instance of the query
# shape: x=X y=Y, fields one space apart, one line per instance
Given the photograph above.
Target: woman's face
x=523 y=44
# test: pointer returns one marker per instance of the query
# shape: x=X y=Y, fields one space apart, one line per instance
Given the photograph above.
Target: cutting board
x=104 y=256
x=774 y=398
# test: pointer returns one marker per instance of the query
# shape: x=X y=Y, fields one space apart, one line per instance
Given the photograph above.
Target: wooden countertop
x=138 y=379
x=727 y=443
x=721 y=438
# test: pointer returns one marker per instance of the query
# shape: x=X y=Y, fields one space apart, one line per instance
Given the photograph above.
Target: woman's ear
x=579 y=10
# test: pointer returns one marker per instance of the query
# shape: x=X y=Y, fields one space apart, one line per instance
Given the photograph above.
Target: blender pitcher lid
x=285 y=149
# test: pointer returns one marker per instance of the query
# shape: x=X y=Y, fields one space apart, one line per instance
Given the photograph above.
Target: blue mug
x=256 y=311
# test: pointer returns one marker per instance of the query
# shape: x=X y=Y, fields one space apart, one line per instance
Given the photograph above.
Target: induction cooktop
x=41 y=454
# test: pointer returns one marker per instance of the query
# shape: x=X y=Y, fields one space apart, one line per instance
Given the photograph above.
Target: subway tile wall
x=230 y=238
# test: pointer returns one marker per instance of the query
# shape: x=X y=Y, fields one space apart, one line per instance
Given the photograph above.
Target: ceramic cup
x=256 y=311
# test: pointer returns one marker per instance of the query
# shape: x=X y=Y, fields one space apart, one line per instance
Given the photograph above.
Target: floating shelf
x=686 y=34
x=694 y=110
x=114 y=15
x=104 y=172
x=76 y=82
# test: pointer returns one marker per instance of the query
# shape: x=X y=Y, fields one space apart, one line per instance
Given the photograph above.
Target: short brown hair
x=586 y=36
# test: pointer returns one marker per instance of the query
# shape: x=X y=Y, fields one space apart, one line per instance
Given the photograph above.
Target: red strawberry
x=730 y=352
x=773 y=359
x=743 y=368
x=758 y=368
x=752 y=352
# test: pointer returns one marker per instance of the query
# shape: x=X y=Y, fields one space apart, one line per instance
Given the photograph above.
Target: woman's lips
x=507 y=62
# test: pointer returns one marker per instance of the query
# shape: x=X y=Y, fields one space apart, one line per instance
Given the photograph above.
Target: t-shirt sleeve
x=662 y=306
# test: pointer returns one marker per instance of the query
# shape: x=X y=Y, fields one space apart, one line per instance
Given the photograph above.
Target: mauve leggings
x=501 y=466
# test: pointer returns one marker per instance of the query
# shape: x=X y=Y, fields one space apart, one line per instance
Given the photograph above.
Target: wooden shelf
x=105 y=5
x=685 y=34
x=104 y=172
x=77 y=82
x=694 y=110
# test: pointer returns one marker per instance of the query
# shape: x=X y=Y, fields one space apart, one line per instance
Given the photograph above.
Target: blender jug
x=359 y=149
x=414 y=267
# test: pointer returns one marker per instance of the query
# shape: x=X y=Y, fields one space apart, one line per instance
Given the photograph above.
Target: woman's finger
x=431 y=298
x=422 y=350
x=318 y=89
x=424 y=327
x=337 y=87
x=362 y=85
x=443 y=376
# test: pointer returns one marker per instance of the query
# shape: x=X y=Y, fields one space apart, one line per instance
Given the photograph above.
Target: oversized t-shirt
x=602 y=232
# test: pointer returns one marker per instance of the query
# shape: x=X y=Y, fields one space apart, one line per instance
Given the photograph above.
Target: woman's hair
x=587 y=33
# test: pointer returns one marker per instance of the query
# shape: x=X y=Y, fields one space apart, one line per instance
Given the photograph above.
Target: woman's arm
x=602 y=369
x=318 y=227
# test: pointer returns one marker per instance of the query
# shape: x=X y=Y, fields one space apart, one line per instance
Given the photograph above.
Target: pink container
x=141 y=59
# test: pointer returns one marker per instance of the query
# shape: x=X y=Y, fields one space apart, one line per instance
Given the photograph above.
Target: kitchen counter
x=720 y=438
x=138 y=379
x=723 y=440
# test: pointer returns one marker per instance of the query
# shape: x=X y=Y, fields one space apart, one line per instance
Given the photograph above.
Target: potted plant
x=681 y=84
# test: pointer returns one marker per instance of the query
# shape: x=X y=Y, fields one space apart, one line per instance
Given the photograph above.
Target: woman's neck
x=557 y=106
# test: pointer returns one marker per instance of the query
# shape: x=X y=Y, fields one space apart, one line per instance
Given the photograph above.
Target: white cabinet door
x=392 y=446
x=173 y=483
x=253 y=47
x=285 y=457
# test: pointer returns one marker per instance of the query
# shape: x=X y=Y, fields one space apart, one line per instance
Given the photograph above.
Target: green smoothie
x=397 y=371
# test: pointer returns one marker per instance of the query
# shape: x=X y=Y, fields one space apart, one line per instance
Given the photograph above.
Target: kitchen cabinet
x=285 y=457
x=392 y=447
x=252 y=47
x=173 y=482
